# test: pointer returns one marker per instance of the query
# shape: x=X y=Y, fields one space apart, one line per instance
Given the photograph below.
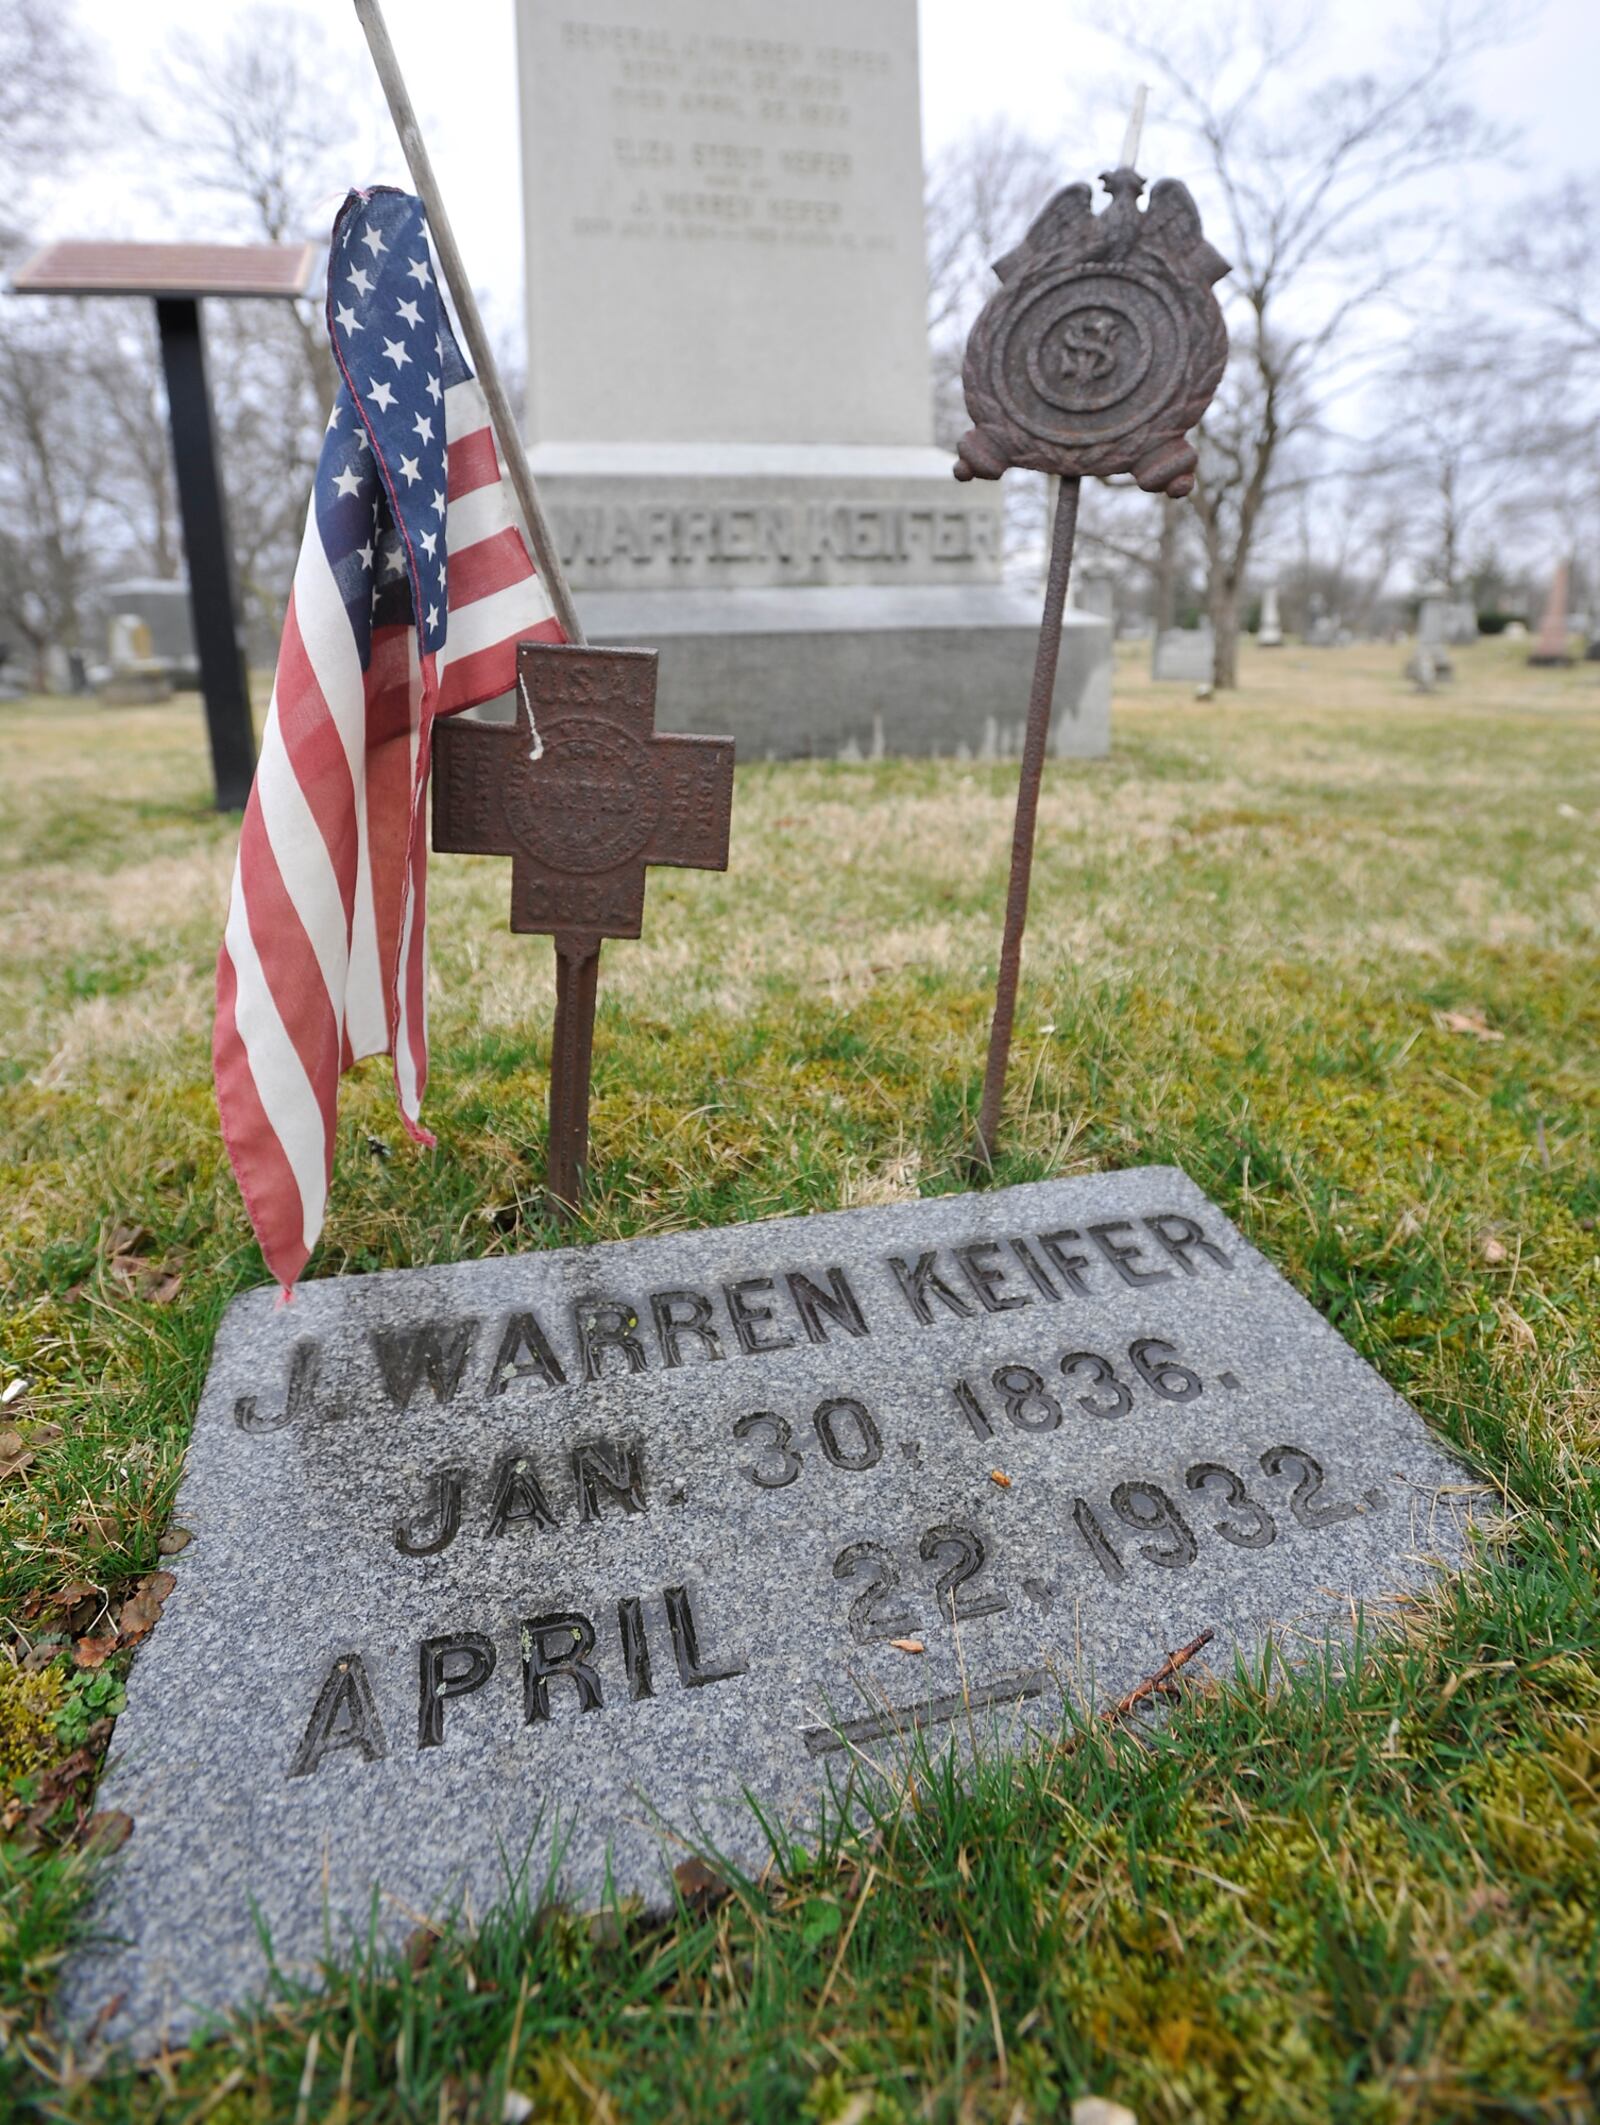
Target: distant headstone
x=1091 y=590
x=588 y=1544
x=1554 y=643
x=1429 y=661
x=728 y=388
x=137 y=675
x=1323 y=633
x=1516 y=631
x=1460 y=622
x=165 y=607
x=1185 y=653
x=1269 y=635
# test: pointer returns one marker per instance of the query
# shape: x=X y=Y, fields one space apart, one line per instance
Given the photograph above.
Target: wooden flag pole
x=508 y=432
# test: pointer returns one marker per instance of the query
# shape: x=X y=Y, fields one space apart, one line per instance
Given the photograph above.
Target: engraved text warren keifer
x=948 y=1574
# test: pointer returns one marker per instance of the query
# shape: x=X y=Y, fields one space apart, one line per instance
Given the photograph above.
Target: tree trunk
x=1166 y=587
x=1224 y=605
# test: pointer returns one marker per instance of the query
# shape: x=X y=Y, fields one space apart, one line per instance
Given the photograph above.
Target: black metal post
x=223 y=682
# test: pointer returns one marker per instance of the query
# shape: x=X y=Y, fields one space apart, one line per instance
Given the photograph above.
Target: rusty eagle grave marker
x=588 y=1544
x=581 y=793
x=1097 y=354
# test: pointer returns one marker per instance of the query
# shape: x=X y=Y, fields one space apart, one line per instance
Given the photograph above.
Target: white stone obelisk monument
x=728 y=390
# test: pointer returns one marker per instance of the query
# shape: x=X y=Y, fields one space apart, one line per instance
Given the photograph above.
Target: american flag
x=413 y=588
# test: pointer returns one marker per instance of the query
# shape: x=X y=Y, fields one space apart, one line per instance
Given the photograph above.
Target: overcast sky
x=1037 y=61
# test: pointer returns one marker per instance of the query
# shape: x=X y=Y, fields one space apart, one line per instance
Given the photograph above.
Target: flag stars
x=395 y=350
x=347 y=319
x=438 y=503
x=360 y=279
x=394 y=559
x=349 y=481
x=410 y=312
x=364 y=554
x=373 y=241
x=333 y=417
x=428 y=542
x=423 y=427
x=410 y=472
x=433 y=615
x=381 y=394
x=433 y=390
x=418 y=270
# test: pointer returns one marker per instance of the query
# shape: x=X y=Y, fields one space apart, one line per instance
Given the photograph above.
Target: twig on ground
x=1154 y=1685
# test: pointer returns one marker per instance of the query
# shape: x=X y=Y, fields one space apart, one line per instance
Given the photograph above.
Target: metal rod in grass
x=1099 y=352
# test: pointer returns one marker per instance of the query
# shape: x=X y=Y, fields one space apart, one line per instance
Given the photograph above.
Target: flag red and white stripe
x=324 y=959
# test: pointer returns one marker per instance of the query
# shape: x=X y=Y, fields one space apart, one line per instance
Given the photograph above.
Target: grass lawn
x=1329 y=946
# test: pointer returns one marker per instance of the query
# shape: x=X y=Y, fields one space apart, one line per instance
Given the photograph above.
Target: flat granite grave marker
x=611 y=1536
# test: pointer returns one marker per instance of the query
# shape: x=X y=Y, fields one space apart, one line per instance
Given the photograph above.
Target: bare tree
x=981 y=192
x=275 y=123
x=1549 y=249
x=1320 y=181
x=48 y=77
x=1456 y=443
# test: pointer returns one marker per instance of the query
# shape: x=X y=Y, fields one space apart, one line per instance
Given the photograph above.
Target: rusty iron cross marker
x=580 y=809
x=1100 y=350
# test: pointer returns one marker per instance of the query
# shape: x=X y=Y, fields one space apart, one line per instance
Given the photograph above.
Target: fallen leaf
x=1472 y=1022
x=164 y=1289
x=698 y=1885
x=15 y=1454
x=998 y=1475
x=94 y=1652
x=142 y=1609
x=15 y=1389
x=126 y=1239
x=420 y=1944
x=175 y=1539
x=110 y=1828
x=908 y=1645
x=75 y=1590
x=1492 y=1250
x=44 y=1434
x=103 y=1526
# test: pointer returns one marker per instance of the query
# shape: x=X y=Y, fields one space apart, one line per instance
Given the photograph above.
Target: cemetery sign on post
x=178 y=276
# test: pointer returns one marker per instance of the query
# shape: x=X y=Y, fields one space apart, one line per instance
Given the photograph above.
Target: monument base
x=862 y=672
x=816 y=601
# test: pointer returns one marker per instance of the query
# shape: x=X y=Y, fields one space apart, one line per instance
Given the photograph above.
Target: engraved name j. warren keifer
x=587 y=1544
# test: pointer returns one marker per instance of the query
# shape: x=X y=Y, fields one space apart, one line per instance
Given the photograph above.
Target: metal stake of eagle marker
x=1097 y=355
x=586 y=794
